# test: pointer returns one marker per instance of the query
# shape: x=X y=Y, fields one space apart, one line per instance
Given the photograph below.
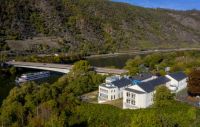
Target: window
x=103 y=95
x=128 y=94
x=133 y=95
x=114 y=96
x=128 y=101
x=133 y=102
x=111 y=97
x=103 y=90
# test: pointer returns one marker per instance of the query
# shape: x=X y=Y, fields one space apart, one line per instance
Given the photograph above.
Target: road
x=136 y=52
x=144 y=52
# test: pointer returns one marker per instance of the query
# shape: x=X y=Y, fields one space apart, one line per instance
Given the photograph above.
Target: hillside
x=95 y=26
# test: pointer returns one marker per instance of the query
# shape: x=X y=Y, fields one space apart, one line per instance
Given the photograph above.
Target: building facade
x=113 y=87
x=141 y=95
x=178 y=81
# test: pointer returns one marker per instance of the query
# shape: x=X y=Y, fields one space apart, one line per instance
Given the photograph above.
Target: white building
x=141 y=95
x=113 y=87
x=178 y=81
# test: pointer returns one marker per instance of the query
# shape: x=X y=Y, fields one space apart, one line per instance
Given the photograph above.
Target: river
x=116 y=61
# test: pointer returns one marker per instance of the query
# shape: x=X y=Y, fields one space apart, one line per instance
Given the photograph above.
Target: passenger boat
x=32 y=76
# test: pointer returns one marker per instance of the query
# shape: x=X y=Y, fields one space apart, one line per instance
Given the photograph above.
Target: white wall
x=112 y=94
x=100 y=98
x=125 y=104
x=149 y=99
x=179 y=84
x=182 y=85
x=141 y=100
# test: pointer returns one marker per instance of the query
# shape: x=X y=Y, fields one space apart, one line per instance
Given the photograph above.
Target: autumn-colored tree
x=194 y=83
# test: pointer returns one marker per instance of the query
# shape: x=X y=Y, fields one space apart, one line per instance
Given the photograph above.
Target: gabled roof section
x=150 y=85
x=134 y=91
x=122 y=82
x=142 y=76
x=178 y=76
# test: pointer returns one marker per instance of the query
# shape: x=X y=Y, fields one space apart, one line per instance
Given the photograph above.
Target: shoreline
x=141 y=52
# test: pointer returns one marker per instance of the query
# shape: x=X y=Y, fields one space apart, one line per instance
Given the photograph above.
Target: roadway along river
x=119 y=59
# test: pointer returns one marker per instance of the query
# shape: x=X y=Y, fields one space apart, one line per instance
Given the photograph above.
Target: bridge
x=63 y=68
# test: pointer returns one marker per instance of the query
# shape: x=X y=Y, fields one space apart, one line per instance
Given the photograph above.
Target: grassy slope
x=104 y=115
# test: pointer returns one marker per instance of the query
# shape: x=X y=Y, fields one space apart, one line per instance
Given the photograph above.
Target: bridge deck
x=64 y=66
x=46 y=65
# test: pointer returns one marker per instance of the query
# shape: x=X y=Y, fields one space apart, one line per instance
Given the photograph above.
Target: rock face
x=99 y=25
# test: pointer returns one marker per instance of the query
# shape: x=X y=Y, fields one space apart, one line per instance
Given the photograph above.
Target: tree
x=81 y=67
x=82 y=79
x=13 y=70
x=3 y=45
x=162 y=97
x=153 y=60
x=3 y=57
x=133 y=65
x=194 y=83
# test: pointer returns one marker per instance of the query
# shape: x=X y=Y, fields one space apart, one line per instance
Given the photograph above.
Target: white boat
x=32 y=76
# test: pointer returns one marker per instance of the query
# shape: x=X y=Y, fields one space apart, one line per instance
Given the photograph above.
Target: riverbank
x=138 y=52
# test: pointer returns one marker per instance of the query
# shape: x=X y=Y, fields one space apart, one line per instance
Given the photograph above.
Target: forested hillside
x=98 y=26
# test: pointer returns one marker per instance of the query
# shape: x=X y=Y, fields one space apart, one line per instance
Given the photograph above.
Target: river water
x=117 y=61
